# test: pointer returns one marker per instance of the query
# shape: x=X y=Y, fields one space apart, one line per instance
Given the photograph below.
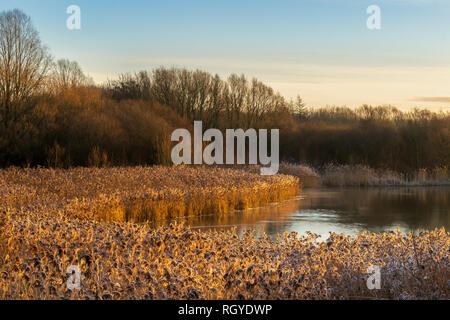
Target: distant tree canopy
x=53 y=114
x=67 y=74
x=200 y=95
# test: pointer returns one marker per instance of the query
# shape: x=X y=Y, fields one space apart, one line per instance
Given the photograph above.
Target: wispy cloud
x=432 y=99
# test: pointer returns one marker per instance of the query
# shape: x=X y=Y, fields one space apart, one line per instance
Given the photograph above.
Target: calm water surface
x=347 y=210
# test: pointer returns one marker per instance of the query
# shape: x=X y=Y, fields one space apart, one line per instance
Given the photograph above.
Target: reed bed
x=140 y=194
x=308 y=176
x=53 y=219
x=132 y=261
x=359 y=175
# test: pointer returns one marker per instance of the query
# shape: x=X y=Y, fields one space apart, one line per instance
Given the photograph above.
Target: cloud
x=432 y=99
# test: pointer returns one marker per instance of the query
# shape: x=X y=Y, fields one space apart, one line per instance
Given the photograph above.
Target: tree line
x=52 y=114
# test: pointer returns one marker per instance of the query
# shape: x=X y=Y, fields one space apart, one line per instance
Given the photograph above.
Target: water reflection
x=347 y=210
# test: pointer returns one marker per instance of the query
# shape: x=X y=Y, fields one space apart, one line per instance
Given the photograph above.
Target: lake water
x=343 y=210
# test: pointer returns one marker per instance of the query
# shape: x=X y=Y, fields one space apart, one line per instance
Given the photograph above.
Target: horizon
x=321 y=50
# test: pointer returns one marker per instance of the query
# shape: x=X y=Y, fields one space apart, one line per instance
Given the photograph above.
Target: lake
x=342 y=210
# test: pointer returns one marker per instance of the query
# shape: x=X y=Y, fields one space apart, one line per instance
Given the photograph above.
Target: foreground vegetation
x=129 y=261
x=52 y=219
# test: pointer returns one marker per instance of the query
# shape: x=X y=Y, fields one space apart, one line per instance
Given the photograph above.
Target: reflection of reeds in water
x=275 y=211
x=378 y=208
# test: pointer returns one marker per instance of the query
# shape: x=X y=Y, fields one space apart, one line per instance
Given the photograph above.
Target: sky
x=319 y=49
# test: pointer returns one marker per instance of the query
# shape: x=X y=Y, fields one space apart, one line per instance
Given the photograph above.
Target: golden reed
x=48 y=222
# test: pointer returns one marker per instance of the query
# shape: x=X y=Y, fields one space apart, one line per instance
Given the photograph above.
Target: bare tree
x=68 y=74
x=128 y=86
x=259 y=102
x=24 y=63
x=217 y=101
x=163 y=87
x=238 y=88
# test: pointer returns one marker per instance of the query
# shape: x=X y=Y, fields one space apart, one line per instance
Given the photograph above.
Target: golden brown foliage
x=46 y=226
x=308 y=177
x=130 y=261
x=358 y=175
x=140 y=194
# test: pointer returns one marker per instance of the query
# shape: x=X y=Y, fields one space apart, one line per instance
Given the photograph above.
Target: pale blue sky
x=320 y=49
